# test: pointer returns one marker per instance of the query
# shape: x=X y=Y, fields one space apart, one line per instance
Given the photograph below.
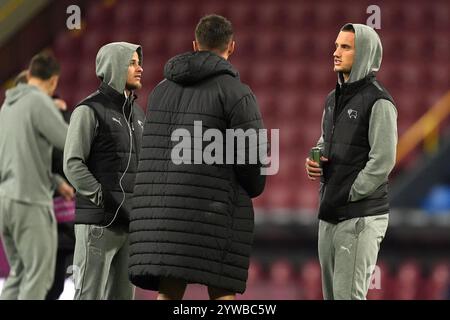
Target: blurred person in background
x=100 y=160
x=193 y=223
x=358 y=143
x=30 y=126
x=60 y=103
x=63 y=208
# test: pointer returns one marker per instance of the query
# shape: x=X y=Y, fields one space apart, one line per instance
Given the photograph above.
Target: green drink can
x=315 y=154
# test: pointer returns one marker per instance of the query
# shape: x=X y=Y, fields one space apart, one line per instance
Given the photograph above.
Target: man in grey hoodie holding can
x=358 y=144
x=100 y=161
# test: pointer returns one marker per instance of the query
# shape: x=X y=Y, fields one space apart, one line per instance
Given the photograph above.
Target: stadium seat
x=408 y=281
x=438 y=282
x=155 y=13
x=282 y=280
x=310 y=282
x=127 y=13
x=257 y=284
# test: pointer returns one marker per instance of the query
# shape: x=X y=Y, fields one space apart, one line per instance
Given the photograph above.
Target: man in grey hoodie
x=100 y=161
x=30 y=126
x=358 y=143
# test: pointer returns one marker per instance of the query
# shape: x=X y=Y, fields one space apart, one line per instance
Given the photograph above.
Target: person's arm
x=320 y=142
x=56 y=180
x=49 y=121
x=313 y=169
x=246 y=115
x=81 y=133
x=383 y=146
x=64 y=189
x=60 y=184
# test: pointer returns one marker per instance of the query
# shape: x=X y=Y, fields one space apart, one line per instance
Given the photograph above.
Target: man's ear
x=54 y=80
x=195 y=45
x=53 y=83
x=231 y=47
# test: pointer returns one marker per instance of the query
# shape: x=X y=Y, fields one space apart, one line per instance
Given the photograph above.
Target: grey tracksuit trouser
x=100 y=263
x=348 y=254
x=29 y=236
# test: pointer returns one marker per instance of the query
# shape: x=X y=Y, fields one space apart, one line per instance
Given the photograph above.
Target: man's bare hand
x=313 y=170
x=60 y=104
x=66 y=191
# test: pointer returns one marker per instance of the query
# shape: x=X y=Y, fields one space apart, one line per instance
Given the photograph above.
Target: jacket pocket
x=334 y=195
x=360 y=225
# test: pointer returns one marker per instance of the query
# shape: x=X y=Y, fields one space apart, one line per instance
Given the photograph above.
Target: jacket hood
x=111 y=64
x=19 y=91
x=368 y=52
x=191 y=67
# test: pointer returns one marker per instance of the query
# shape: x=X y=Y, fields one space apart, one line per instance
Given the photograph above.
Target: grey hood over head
x=112 y=62
x=368 y=52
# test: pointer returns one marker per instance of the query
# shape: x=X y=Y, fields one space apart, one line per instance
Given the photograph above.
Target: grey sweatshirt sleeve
x=320 y=141
x=49 y=122
x=383 y=146
x=82 y=130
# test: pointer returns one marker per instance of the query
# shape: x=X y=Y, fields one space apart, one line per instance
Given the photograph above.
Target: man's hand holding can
x=314 y=162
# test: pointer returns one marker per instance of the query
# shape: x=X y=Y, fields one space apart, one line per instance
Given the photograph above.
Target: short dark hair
x=348 y=27
x=44 y=66
x=214 y=32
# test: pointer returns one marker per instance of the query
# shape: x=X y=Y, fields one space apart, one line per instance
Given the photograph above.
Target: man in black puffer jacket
x=193 y=222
